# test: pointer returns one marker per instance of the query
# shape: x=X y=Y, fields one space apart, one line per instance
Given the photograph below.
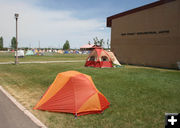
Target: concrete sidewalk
x=13 y=117
x=36 y=62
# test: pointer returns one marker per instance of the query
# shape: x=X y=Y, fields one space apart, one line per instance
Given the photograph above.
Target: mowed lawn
x=139 y=96
x=9 y=57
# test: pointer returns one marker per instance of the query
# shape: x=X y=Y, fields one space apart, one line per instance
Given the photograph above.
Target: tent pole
x=75 y=115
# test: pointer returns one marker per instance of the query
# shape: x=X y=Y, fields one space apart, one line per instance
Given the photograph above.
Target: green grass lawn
x=9 y=57
x=139 y=96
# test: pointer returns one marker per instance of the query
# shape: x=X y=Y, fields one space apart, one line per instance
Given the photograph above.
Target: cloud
x=50 y=27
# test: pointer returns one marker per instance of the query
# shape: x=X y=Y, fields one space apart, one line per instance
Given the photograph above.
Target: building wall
x=150 y=37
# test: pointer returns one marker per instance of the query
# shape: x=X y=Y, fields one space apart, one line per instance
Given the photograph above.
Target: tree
x=66 y=45
x=1 y=42
x=13 y=43
x=89 y=43
x=98 y=42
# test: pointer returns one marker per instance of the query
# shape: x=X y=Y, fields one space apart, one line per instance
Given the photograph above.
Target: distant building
x=86 y=47
x=147 y=35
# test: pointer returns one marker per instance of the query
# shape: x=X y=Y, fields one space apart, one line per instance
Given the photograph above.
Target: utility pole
x=16 y=17
x=29 y=45
x=39 y=45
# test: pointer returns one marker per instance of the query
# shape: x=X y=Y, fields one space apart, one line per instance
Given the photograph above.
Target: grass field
x=9 y=57
x=139 y=96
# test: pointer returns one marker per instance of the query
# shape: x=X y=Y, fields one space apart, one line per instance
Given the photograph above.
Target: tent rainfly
x=73 y=92
x=98 y=58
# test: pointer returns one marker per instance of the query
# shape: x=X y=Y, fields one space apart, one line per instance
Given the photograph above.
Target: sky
x=51 y=22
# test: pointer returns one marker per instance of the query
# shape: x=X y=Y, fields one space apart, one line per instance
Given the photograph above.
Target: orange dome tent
x=73 y=92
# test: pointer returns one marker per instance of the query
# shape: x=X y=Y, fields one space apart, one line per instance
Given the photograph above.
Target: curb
x=23 y=109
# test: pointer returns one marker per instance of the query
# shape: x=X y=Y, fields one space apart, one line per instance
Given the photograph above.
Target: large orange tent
x=73 y=92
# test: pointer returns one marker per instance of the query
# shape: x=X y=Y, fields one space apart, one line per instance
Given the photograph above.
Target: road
x=11 y=116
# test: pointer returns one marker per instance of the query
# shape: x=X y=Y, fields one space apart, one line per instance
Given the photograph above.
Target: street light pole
x=16 y=17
